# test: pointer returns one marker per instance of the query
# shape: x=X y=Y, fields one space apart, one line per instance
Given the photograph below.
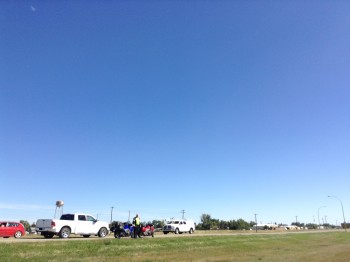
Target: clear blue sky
x=231 y=108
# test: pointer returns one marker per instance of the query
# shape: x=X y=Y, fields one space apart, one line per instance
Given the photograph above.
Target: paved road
x=37 y=239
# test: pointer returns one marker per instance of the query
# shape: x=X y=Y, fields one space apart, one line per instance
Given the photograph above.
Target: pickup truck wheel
x=65 y=232
x=191 y=231
x=18 y=234
x=177 y=231
x=103 y=232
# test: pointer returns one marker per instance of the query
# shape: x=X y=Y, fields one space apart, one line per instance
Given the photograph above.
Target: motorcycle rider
x=136 y=222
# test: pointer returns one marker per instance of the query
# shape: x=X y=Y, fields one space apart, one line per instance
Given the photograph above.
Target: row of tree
x=207 y=223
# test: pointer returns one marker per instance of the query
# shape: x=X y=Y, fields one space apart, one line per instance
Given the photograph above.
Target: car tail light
x=53 y=224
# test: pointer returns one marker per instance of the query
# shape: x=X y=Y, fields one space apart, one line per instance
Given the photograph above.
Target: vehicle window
x=67 y=217
x=176 y=222
x=184 y=222
x=81 y=218
x=90 y=218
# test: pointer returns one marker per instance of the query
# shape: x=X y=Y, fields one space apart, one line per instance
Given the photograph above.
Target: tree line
x=208 y=223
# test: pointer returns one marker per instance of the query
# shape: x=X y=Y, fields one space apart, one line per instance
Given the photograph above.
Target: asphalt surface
x=38 y=238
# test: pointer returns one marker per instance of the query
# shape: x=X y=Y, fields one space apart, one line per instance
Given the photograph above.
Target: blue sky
x=230 y=108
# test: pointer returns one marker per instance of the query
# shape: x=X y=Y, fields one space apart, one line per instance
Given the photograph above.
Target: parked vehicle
x=122 y=230
x=147 y=230
x=179 y=226
x=11 y=229
x=79 y=224
x=127 y=229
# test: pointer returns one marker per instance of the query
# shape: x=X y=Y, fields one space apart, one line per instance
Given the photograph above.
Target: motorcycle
x=147 y=230
x=123 y=230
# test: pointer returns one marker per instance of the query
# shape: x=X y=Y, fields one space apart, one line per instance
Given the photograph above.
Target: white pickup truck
x=179 y=226
x=79 y=224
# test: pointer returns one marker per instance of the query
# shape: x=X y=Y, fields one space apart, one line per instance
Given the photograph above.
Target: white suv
x=179 y=226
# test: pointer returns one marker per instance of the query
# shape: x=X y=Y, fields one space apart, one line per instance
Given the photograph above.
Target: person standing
x=136 y=222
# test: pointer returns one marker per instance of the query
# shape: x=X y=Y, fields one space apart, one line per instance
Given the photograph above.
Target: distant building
x=265 y=227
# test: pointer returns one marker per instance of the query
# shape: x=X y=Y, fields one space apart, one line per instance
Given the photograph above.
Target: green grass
x=329 y=246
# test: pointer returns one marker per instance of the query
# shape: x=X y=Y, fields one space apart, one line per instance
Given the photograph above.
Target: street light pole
x=342 y=208
x=318 y=215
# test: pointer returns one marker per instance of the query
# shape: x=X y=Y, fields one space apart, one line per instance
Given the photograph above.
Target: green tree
x=206 y=221
x=311 y=226
x=241 y=224
x=158 y=223
x=26 y=225
x=223 y=224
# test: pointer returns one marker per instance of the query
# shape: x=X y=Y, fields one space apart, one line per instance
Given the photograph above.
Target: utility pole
x=183 y=213
x=256 y=224
x=318 y=214
x=111 y=214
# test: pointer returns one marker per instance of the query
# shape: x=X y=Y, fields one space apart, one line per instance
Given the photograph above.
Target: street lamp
x=342 y=209
x=318 y=215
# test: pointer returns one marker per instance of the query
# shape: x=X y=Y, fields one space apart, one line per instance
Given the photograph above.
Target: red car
x=11 y=229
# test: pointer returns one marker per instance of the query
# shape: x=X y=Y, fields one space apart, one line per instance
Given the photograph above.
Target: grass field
x=326 y=246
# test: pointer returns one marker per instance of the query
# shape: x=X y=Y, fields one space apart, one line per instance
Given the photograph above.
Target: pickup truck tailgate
x=42 y=224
